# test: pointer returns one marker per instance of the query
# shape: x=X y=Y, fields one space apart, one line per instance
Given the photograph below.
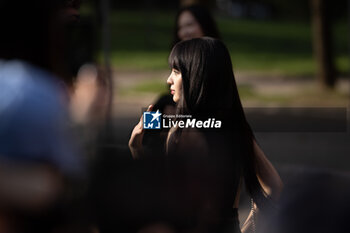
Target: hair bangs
x=174 y=62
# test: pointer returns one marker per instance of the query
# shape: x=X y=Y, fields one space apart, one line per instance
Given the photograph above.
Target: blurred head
x=193 y=22
x=70 y=11
x=188 y=26
x=202 y=76
x=35 y=32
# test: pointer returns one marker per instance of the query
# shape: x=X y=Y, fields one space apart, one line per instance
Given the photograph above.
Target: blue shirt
x=34 y=122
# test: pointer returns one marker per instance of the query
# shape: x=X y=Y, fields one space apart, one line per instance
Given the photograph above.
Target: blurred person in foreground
x=314 y=200
x=38 y=155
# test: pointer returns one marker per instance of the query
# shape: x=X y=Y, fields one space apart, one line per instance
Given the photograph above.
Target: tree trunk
x=321 y=26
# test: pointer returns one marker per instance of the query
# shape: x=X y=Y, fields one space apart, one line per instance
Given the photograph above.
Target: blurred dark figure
x=313 y=200
x=193 y=22
x=80 y=37
x=90 y=94
x=38 y=154
x=167 y=194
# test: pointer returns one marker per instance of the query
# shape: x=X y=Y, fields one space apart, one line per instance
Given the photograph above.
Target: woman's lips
x=172 y=92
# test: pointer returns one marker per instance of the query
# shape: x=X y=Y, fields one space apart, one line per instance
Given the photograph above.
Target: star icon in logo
x=156 y=115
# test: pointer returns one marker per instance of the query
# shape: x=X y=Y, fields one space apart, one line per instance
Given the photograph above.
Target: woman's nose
x=169 y=80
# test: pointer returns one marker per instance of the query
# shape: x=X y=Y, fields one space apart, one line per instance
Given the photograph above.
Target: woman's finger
x=150 y=108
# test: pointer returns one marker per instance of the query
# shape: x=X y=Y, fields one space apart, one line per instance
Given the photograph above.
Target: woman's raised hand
x=135 y=142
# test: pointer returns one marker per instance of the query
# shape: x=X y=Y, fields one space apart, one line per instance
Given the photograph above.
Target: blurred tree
x=321 y=27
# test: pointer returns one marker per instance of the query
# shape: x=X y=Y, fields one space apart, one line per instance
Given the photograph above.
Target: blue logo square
x=152 y=120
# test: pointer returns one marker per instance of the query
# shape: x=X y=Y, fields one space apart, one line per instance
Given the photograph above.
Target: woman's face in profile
x=189 y=28
x=175 y=82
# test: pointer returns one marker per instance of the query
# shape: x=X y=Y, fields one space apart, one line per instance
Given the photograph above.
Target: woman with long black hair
x=203 y=86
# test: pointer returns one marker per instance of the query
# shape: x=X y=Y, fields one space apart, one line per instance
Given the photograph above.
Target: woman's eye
x=176 y=71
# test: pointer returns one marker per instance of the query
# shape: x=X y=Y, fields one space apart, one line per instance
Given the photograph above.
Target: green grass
x=151 y=86
x=139 y=60
x=141 y=41
x=159 y=86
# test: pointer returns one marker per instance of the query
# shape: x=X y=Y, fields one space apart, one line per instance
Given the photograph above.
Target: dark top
x=213 y=177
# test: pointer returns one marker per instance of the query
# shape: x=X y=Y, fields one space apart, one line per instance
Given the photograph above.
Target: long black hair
x=204 y=19
x=209 y=88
